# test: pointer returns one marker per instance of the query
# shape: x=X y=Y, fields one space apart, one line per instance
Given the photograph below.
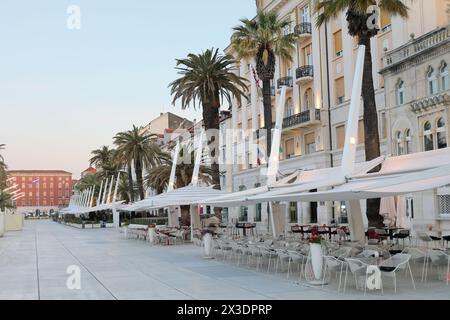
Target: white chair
x=282 y=258
x=333 y=264
x=298 y=258
x=441 y=259
x=396 y=263
x=359 y=271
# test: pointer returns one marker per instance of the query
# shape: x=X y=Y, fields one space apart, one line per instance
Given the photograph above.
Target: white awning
x=305 y=180
x=178 y=197
x=373 y=187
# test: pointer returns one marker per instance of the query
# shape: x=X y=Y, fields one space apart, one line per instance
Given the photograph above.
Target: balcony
x=302 y=119
x=285 y=81
x=305 y=73
x=303 y=30
x=299 y=120
x=416 y=47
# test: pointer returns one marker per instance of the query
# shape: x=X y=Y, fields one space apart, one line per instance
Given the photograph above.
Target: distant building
x=43 y=190
x=88 y=171
x=166 y=121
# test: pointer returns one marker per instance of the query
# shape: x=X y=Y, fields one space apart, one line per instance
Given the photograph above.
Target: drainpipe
x=330 y=133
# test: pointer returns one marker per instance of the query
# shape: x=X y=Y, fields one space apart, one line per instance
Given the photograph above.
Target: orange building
x=42 y=189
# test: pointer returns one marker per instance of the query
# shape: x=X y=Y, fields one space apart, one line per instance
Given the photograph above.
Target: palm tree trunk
x=130 y=182
x=139 y=180
x=267 y=102
x=211 y=118
x=372 y=137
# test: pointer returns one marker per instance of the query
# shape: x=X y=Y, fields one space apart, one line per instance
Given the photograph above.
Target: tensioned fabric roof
x=399 y=175
x=178 y=197
x=304 y=181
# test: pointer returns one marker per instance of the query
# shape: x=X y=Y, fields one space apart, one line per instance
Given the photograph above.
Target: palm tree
x=207 y=79
x=264 y=38
x=123 y=159
x=5 y=201
x=138 y=145
x=357 y=18
x=102 y=159
x=3 y=169
x=158 y=177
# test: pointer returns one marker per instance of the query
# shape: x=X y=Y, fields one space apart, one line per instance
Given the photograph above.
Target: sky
x=65 y=92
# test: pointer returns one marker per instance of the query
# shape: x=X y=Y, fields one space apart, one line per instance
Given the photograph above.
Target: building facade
x=319 y=83
x=42 y=190
x=416 y=77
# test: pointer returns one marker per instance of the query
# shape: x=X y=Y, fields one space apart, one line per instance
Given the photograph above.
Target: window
x=408 y=141
x=432 y=81
x=441 y=134
x=308 y=99
x=361 y=132
x=243 y=216
x=293 y=212
x=340 y=90
x=337 y=36
x=444 y=77
x=340 y=136
x=290 y=148
x=428 y=144
x=401 y=92
x=289 y=108
x=444 y=204
x=307 y=56
x=310 y=143
x=399 y=143
x=258 y=213
x=306 y=16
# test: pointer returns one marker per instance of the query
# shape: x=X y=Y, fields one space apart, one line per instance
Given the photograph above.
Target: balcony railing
x=417 y=46
x=305 y=72
x=303 y=28
x=292 y=121
x=285 y=81
x=297 y=119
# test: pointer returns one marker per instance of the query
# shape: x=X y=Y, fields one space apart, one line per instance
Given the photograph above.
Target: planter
x=2 y=224
x=151 y=235
x=317 y=263
x=207 y=242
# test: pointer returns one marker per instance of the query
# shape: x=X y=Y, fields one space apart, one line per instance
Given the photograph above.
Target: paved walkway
x=33 y=265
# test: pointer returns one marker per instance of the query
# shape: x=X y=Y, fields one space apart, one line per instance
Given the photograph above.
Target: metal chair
x=397 y=263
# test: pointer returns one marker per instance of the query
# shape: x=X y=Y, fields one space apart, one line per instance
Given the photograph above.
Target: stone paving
x=34 y=262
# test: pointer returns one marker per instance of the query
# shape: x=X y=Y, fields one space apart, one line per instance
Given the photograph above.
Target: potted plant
x=207 y=236
x=315 y=244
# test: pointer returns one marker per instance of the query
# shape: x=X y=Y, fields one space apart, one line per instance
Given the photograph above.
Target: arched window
x=441 y=134
x=408 y=141
x=432 y=81
x=399 y=143
x=428 y=143
x=289 y=108
x=445 y=85
x=401 y=92
x=308 y=99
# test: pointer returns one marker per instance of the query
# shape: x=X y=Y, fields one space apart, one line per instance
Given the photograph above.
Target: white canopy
x=398 y=176
x=305 y=180
x=372 y=186
x=178 y=197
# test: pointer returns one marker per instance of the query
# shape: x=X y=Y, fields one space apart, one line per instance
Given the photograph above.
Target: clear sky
x=66 y=92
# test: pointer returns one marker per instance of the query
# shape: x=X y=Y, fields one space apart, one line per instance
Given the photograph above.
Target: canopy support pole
x=356 y=221
x=274 y=158
x=116 y=216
